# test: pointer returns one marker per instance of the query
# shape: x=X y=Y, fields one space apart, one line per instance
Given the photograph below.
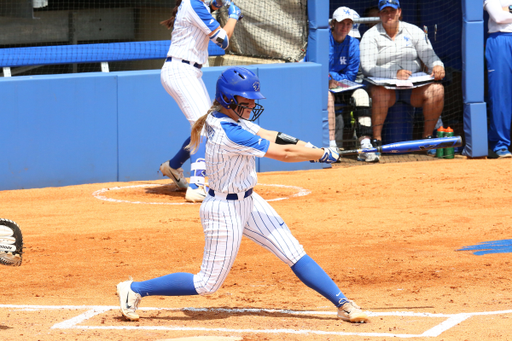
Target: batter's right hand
x=235 y=12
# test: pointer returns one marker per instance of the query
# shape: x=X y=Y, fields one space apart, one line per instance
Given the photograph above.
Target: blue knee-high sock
x=181 y=156
x=197 y=175
x=311 y=274
x=176 y=284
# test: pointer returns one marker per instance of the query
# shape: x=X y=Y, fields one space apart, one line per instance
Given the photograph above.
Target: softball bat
x=409 y=146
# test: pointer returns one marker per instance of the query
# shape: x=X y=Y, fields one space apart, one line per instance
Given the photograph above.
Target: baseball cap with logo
x=389 y=3
x=343 y=13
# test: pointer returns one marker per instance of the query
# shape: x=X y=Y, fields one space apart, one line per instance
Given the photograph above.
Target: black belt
x=230 y=196
x=199 y=66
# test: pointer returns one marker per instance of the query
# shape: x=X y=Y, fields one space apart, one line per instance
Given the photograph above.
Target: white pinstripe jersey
x=231 y=153
x=192 y=26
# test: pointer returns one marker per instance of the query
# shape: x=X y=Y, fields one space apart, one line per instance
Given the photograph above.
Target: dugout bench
x=88 y=53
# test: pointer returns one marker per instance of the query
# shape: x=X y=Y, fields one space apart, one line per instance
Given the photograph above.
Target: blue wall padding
x=318 y=51
x=318 y=14
x=475 y=128
x=63 y=130
x=473 y=62
x=299 y=111
x=150 y=124
x=472 y=10
x=90 y=53
x=475 y=111
x=58 y=130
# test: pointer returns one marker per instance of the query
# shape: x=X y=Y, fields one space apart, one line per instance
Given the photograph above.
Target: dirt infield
x=388 y=234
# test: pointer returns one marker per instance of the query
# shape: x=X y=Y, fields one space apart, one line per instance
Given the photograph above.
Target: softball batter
x=232 y=209
x=192 y=27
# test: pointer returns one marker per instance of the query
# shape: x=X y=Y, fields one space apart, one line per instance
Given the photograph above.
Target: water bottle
x=448 y=152
x=440 y=151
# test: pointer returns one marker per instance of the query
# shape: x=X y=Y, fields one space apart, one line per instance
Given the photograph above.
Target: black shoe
x=375 y=144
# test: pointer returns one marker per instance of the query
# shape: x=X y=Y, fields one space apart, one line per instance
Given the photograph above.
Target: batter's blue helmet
x=238 y=81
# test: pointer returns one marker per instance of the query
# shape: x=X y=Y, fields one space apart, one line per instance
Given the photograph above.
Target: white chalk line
x=91 y=311
x=99 y=194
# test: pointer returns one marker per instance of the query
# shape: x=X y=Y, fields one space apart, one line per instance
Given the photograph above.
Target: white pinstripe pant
x=225 y=222
x=184 y=83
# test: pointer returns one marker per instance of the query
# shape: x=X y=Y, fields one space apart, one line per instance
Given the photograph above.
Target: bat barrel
x=410 y=146
x=420 y=145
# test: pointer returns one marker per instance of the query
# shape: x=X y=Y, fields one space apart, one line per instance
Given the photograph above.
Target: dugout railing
x=88 y=53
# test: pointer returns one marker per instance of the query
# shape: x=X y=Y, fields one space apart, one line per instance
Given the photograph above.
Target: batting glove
x=331 y=155
x=235 y=12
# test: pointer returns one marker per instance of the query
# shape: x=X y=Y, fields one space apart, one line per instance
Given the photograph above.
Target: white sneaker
x=128 y=300
x=352 y=313
x=367 y=157
x=176 y=175
x=196 y=195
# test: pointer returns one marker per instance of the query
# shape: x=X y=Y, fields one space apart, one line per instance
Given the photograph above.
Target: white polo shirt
x=382 y=56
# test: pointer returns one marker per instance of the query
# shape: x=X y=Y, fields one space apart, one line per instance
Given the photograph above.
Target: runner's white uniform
x=231 y=152
x=190 y=38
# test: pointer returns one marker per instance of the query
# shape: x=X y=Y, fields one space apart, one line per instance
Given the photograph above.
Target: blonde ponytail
x=197 y=128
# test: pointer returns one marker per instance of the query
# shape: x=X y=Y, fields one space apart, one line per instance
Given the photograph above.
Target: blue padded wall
x=102 y=127
x=296 y=112
x=475 y=121
x=151 y=125
x=58 y=130
x=475 y=113
x=473 y=62
x=318 y=44
x=318 y=14
x=472 y=10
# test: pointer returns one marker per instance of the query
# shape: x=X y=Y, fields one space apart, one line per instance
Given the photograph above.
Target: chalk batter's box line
x=73 y=323
x=99 y=194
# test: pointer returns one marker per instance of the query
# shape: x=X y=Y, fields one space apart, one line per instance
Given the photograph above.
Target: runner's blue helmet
x=238 y=81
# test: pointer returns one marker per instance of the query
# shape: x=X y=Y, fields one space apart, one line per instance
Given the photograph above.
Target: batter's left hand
x=331 y=155
x=438 y=72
